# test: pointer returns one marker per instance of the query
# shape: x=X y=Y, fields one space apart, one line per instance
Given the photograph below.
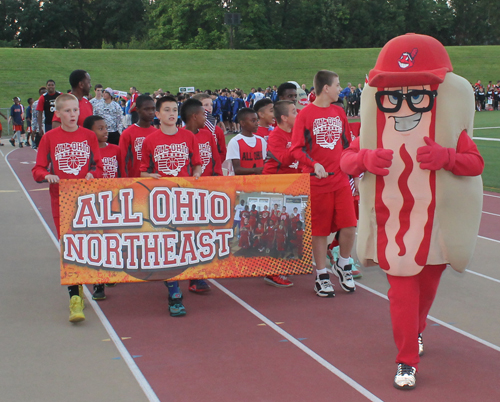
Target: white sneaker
x=345 y=277
x=323 y=287
x=405 y=377
x=420 y=345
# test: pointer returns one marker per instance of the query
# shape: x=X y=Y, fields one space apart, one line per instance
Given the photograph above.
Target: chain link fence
x=6 y=128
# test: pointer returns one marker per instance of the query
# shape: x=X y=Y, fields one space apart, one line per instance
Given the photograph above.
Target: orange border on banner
x=230 y=266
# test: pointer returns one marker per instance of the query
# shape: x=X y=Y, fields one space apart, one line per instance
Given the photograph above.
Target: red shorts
x=18 y=127
x=332 y=211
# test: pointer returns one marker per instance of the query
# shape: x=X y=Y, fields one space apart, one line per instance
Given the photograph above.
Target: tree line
x=272 y=24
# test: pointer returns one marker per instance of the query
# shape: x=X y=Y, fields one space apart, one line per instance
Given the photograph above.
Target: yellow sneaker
x=80 y=293
x=76 y=309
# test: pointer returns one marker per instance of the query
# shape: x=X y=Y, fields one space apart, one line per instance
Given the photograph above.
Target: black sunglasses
x=414 y=98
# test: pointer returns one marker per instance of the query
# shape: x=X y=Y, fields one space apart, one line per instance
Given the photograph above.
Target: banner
x=143 y=229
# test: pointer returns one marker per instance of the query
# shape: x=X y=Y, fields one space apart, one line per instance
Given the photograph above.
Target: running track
x=249 y=342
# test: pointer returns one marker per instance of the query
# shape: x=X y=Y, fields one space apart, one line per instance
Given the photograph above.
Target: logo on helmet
x=406 y=59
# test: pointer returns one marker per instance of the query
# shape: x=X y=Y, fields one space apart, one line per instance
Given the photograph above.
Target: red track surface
x=220 y=352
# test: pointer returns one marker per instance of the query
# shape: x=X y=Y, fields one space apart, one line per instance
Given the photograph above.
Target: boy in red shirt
x=279 y=159
x=265 y=111
x=132 y=138
x=111 y=164
x=80 y=88
x=217 y=132
x=193 y=115
x=320 y=134
x=247 y=151
x=67 y=152
x=170 y=152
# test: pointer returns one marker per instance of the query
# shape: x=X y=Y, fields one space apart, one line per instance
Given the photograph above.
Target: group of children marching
x=310 y=142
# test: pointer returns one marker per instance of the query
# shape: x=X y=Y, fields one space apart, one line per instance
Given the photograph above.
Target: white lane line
x=486 y=139
x=491 y=195
x=298 y=344
x=483 y=276
x=143 y=383
x=484 y=128
x=490 y=213
x=487 y=238
x=442 y=323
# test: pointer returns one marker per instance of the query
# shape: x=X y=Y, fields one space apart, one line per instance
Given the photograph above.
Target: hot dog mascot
x=421 y=195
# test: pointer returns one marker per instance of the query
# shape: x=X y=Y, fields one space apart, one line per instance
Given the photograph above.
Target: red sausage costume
x=421 y=195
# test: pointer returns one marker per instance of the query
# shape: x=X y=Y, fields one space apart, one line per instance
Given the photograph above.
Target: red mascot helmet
x=409 y=60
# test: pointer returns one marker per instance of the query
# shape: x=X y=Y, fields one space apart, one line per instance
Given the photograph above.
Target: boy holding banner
x=67 y=152
x=320 y=134
x=170 y=152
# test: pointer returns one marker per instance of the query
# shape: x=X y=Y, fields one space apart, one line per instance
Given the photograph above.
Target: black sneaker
x=323 y=287
x=98 y=293
x=405 y=377
x=20 y=145
x=13 y=142
x=345 y=277
x=420 y=345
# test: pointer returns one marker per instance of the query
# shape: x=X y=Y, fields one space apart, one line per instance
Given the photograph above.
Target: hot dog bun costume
x=415 y=216
x=421 y=194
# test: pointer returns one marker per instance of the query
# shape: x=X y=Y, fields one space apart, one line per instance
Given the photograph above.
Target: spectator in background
x=1 y=128
x=46 y=105
x=304 y=88
x=34 y=120
x=16 y=117
x=258 y=95
x=133 y=111
x=98 y=95
x=111 y=112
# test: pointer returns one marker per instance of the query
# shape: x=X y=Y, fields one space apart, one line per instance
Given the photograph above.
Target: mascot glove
x=376 y=161
x=434 y=156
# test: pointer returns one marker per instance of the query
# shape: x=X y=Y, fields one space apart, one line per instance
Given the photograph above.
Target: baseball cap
x=109 y=91
x=410 y=59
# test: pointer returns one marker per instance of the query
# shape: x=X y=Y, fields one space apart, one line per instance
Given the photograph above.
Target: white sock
x=342 y=262
x=321 y=271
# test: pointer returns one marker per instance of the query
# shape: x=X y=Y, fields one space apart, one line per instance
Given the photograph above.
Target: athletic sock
x=73 y=291
x=342 y=262
x=321 y=271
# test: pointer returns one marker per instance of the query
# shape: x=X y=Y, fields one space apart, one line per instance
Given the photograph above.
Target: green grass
x=24 y=70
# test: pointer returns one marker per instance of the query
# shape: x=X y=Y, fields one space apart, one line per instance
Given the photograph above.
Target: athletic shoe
x=198 y=286
x=345 y=277
x=20 y=145
x=13 y=142
x=27 y=143
x=110 y=285
x=405 y=377
x=280 y=281
x=323 y=287
x=175 y=305
x=420 y=345
x=356 y=273
x=98 y=293
x=1 y=144
x=76 y=309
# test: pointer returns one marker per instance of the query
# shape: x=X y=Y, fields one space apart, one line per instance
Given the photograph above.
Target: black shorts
x=226 y=116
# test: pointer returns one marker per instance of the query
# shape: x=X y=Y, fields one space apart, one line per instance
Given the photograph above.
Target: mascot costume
x=421 y=195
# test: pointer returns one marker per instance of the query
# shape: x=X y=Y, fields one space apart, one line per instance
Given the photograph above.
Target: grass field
x=24 y=70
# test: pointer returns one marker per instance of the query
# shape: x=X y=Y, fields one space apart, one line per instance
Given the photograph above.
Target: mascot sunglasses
x=419 y=100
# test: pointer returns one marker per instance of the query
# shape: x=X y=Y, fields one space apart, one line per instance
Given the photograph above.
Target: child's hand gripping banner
x=134 y=230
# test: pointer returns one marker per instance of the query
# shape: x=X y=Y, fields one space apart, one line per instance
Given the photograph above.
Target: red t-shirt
x=279 y=159
x=111 y=161
x=69 y=155
x=264 y=216
x=210 y=158
x=131 y=149
x=263 y=132
x=220 y=140
x=319 y=136
x=133 y=100
x=86 y=110
x=170 y=155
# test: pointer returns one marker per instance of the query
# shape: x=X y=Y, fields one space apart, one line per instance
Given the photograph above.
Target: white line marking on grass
x=438 y=321
x=299 y=344
x=143 y=383
x=486 y=139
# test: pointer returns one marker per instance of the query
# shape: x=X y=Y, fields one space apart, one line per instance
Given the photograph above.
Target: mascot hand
x=377 y=160
x=432 y=156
